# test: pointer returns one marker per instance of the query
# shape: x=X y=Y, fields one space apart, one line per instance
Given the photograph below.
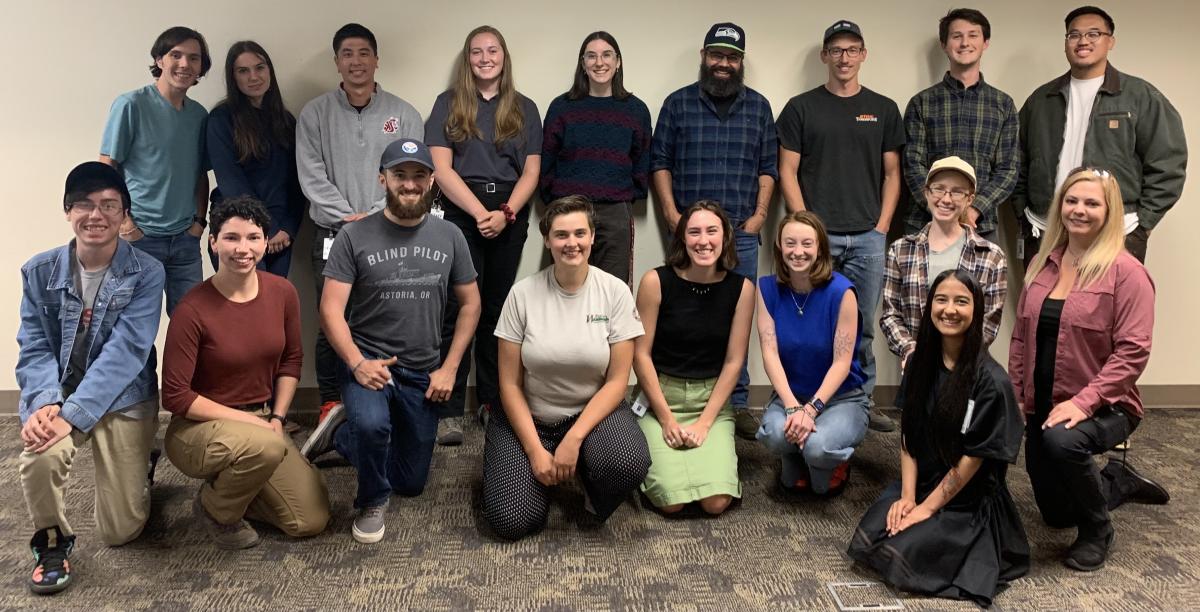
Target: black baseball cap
x=842 y=26
x=90 y=177
x=405 y=150
x=728 y=35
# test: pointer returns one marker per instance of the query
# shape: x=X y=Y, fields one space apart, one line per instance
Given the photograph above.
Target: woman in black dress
x=949 y=527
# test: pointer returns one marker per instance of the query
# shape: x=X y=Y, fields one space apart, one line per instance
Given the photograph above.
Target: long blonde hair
x=460 y=125
x=1095 y=262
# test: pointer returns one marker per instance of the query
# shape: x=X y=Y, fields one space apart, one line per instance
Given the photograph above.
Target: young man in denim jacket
x=89 y=315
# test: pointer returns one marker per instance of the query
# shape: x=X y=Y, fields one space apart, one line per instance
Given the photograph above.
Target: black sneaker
x=744 y=424
x=51 y=568
x=1126 y=484
x=1089 y=552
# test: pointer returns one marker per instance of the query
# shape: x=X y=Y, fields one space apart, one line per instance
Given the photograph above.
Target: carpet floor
x=774 y=550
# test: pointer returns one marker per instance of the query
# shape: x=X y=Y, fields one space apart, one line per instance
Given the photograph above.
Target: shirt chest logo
x=391 y=126
x=866 y=118
x=597 y=318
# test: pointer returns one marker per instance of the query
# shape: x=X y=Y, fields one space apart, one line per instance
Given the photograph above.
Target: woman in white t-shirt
x=565 y=351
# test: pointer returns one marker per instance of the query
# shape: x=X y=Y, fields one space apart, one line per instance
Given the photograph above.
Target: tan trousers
x=251 y=472
x=121 y=452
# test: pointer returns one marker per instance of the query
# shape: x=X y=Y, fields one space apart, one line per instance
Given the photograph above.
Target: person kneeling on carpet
x=697 y=313
x=809 y=329
x=566 y=345
x=231 y=364
x=949 y=527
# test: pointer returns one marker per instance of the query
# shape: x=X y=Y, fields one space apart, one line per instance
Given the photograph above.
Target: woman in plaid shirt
x=945 y=243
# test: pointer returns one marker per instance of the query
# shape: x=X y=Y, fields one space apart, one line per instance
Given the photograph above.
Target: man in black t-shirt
x=839 y=156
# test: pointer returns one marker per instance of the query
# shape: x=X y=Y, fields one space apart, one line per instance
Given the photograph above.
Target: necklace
x=799 y=306
x=698 y=288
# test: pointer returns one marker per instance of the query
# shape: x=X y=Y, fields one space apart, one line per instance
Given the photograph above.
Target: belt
x=250 y=407
x=491 y=187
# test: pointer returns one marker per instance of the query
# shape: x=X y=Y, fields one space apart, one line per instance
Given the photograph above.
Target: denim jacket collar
x=122 y=264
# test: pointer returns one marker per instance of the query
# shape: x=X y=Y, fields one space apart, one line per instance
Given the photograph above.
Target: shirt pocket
x=1089 y=312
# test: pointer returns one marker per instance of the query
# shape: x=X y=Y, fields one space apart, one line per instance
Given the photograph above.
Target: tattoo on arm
x=768 y=338
x=951 y=483
x=842 y=344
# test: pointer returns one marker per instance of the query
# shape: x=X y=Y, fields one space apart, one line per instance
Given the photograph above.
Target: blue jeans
x=388 y=435
x=180 y=257
x=859 y=257
x=747 y=251
x=840 y=428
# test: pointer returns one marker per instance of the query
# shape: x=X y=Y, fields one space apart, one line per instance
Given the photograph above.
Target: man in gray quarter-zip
x=1097 y=116
x=340 y=137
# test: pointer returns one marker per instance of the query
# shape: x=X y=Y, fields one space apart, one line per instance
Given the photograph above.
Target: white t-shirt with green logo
x=565 y=337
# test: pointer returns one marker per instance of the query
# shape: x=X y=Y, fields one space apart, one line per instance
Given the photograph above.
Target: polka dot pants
x=613 y=461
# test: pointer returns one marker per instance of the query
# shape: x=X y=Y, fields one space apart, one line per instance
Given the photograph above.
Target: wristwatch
x=817 y=405
x=275 y=417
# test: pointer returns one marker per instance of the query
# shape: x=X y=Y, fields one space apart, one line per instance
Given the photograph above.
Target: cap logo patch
x=391 y=126
x=728 y=33
x=409 y=147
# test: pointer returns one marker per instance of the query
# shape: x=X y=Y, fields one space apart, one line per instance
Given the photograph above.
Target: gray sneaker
x=320 y=441
x=368 y=525
x=227 y=537
x=450 y=431
x=744 y=424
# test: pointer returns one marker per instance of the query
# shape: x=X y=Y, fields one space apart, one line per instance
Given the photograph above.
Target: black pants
x=496 y=261
x=613 y=249
x=326 y=359
x=1066 y=483
x=613 y=460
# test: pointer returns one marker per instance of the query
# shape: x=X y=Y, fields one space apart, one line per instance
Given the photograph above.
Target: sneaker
x=320 y=441
x=839 y=479
x=326 y=408
x=226 y=537
x=744 y=424
x=51 y=568
x=368 y=525
x=1089 y=552
x=880 y=422
x=1125 y=484
x=450 y=431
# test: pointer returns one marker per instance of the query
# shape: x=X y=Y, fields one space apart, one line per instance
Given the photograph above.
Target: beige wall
x=64 y=62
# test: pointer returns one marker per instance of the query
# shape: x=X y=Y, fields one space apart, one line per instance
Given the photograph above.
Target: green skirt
x=684 y=475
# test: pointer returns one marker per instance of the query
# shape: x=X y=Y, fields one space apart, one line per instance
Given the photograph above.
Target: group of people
x=418 y=231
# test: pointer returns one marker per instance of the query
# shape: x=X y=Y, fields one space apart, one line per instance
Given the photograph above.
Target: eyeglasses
x=958 y=196
x=86 y=207
x=592 y=58
x=1097 y=172
x=851 y=52
x=718 y=57
x=1092 y=36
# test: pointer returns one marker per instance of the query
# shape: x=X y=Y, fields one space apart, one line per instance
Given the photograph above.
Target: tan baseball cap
x=954 y=163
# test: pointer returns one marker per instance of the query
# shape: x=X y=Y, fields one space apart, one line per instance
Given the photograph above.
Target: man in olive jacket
x=1097 y=116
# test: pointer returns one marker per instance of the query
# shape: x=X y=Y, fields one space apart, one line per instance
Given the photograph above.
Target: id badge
x=436 y=211
x=640 y=404
x=328 y=244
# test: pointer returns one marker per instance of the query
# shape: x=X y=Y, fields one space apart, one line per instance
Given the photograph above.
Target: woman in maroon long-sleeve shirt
x=230 y=368
x=1081 y=341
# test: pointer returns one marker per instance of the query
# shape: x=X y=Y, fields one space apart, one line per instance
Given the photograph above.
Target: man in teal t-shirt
x=155 y=137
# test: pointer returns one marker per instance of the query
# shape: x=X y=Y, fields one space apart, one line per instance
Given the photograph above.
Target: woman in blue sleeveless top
x=809 y=328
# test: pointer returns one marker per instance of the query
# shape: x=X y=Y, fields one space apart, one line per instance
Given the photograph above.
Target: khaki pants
x=121 y=452
x=251 y=472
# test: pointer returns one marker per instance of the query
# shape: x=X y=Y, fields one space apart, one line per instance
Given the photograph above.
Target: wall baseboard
x=1154 y=396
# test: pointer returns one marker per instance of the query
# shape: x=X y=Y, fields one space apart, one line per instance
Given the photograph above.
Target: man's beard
x=401 y=210
x=721 y=88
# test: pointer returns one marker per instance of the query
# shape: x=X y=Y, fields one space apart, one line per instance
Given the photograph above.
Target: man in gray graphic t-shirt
x=394 y=270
